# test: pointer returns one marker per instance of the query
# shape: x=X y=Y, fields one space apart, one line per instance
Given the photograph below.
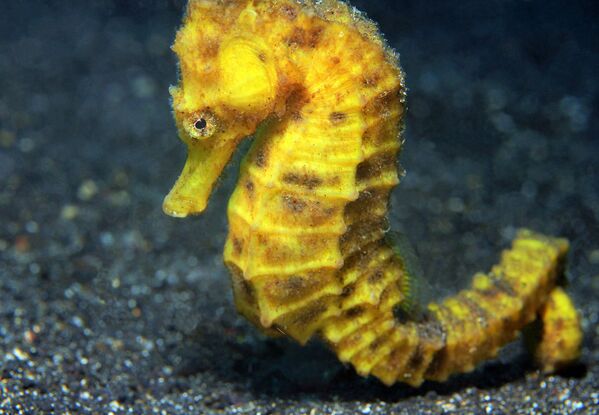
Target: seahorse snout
x=205 y=162
x=180 y=207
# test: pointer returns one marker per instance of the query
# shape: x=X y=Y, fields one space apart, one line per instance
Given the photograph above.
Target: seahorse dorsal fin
x=413 y=282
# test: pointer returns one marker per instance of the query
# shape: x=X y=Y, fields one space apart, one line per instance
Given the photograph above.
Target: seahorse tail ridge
x=324 y=98
x=464 y=329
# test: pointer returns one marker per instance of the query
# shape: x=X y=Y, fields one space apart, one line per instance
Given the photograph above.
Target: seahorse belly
x=309 y=194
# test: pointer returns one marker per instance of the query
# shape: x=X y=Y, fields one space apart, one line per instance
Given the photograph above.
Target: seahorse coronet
x=324 y=97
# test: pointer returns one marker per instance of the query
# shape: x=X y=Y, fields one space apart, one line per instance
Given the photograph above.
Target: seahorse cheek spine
x=324 y=98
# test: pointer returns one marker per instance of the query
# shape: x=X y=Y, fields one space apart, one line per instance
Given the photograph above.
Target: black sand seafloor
x=107 y=306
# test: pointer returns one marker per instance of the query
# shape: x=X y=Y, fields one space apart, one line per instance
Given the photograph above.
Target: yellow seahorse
x=324 y=98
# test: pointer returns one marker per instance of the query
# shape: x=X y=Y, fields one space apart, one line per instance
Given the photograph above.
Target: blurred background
x=108 y=305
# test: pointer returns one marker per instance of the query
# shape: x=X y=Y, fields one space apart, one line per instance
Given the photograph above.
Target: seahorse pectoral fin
x=205 y=162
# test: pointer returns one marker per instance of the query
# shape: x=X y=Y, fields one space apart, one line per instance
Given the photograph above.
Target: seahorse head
x=228 y=85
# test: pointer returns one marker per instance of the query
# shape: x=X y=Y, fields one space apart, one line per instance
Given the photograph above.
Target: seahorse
x=324 y=97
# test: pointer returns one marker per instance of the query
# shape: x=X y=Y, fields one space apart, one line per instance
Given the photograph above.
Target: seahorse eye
x=200 y=124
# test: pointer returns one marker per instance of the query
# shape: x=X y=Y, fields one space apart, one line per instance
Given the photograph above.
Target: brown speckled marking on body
x=360 y=233
x=354 y=312
x=378 y=342
x=302 y=38
x=249 y=185
x=246 y=290
x=314 y=36
x=361 y=257
x=293 y=288
x=320 y=214
x=261 y=157
x=237 y=246
x=390 y=289
x=438 y=362
x=371 y=80
x=296 y=282
x=381 y=102
x=210 y=48
x=294 y=204
x=289 y=11
x=375 y=276
x=303 y=180
x=502 y=285
x=416 y=359
x=395 y=359
x=337 y=117
x=348 y=290
x=480 y=314
x=297 y=99
x=374 y=166
x=367 y=203
x=309 y=314
x=491 y=292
